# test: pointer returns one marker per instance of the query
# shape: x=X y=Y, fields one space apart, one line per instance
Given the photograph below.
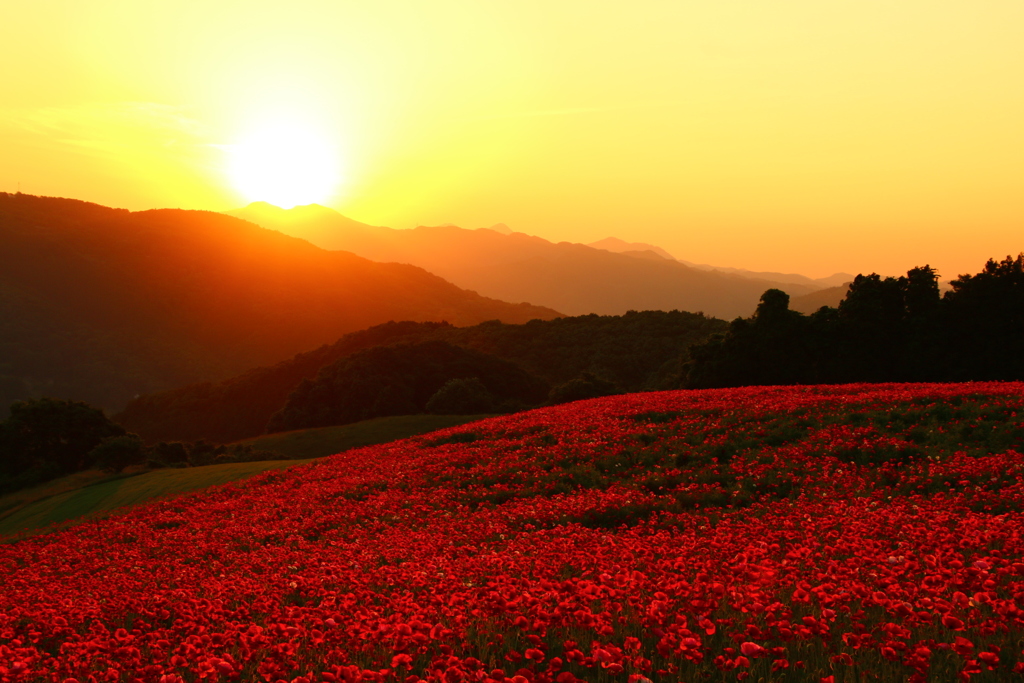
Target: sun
x=285 y=163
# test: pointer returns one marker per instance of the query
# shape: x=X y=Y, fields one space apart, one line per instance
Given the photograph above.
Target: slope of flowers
x=851 y=533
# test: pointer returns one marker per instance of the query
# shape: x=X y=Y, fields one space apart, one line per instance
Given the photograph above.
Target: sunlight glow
x=285 y=163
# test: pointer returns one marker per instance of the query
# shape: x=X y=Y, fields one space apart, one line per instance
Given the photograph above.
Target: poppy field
x=825 y=534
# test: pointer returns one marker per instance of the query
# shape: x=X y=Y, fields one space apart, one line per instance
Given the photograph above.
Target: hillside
x=101 y=304
x=572 y=278
x=116 y=492
x=323 y=441
x=92 y=492
x=406 y=379
x=779 y=534
x=637 y=351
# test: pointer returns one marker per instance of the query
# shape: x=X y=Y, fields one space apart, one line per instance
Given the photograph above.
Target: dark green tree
x=46 y=438
x=400 y=380
x=461 y=396
x=118 y=452
x=587 y=385
x=49 y=431
x=174 y=453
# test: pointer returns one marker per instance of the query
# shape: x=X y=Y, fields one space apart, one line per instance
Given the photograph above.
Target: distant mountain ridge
x=614 y=244
x=500 y=228
x=575 y=279
x=834 y=280
x=102 y=304
x=618 y=246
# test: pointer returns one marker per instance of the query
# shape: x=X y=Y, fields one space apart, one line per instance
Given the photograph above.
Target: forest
x=46 y=438
x=573 y=358
x=885 y=330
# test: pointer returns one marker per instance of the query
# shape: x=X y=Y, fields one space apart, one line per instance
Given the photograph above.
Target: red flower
x=962 y=646
x=990 y=658
x=952 y=623
x=751 y=649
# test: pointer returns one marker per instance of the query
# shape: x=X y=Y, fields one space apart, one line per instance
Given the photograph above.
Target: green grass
x=112 y=493
x=12 y=501
x=93 y=493
x=316 y=443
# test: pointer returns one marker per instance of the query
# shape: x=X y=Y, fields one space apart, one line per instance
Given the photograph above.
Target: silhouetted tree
x=885 y=330
x=925 y=352
x=871 y=326
x=780 y=356
x=769 y=348
x=986 y=321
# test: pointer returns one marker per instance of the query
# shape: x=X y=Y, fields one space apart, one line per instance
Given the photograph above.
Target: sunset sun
x=285 y=163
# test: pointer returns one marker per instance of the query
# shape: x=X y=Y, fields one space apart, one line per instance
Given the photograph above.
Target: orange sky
x=796 y=135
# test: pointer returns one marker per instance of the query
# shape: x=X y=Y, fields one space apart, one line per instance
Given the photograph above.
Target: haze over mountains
x=102 y=304
x=575 y=279
x=640 y=249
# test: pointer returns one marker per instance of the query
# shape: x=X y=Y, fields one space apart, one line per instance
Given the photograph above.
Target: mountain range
x=641 y=249
x=575 y=279
x=102 y=304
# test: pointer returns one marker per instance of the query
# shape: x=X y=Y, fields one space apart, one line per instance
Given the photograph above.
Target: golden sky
x=796 y=135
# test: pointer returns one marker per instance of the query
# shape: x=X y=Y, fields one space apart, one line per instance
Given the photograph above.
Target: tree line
x=892 y=329
x=46 y=438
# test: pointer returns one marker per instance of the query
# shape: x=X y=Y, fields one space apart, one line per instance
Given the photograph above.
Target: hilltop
x=785 y=533
x=103 y=304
